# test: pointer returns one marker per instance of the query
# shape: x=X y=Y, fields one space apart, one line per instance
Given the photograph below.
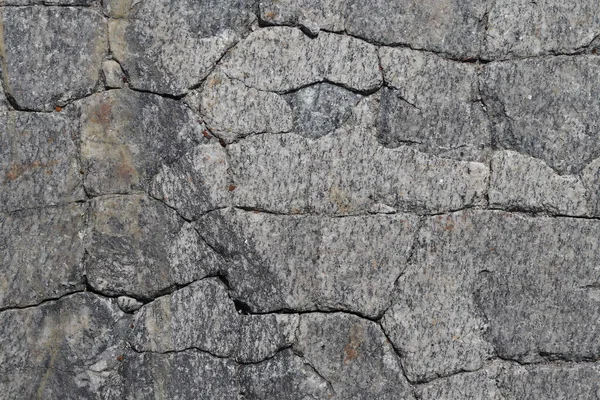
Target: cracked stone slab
x=560 y=382
x=232 y=110
x=433 y=104
x=349 y=172
x=126 y=137
x=310 y=262
x=193 y=374
x=140 y=247
x=281 y=59
x=543 y=303
x=488 y=282
x=82 y=3
x=196 y=183
x=556 y=120
x=464 y=385
x=518 y=28
x=43 y=66
x=452 y=27
x=520 y=182
x=65 y=349
x=170 y=46
x=285 y=376
x=202 y=316
x=353 y=355
x=320 y=109
x=41 y=254
x=590 y=176
x=38 y=160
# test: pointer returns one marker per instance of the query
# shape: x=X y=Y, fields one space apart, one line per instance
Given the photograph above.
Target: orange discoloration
x=17 y=170
x=270 y=14
x=58 y=108
x=120 y=358
x=206 y=134
x=351 y=348
x=232 y=188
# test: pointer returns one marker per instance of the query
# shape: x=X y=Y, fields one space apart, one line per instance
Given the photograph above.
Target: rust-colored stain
x=101 y=115
x=351 y=348
x=232 y=188
x=125 y=170
x=120 y=358
x=270 y=14
x=449 y=225
x=206 y=134
x=58 y=108
x=17 y=170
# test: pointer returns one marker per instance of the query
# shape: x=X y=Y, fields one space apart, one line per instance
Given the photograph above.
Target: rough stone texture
x=65 y=349
x=50 y=55
x=113 y=75
x=309 y=262
x=281 y=59
x=524 y=183
x=278 y=199
x=517 y=28
x=127 y=136
x=349 y=172
x=353 y=355
x=256 y=111
x=202 y=316
x=140 y=247
x=170 y=46
x=454 y=27
x=432 y=103
x=39 y=164
x=556 y=120
x=41 y=253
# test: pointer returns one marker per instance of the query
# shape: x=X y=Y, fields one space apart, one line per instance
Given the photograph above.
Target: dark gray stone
x=127 y=136
x=139 y=247
x=556 y=120
x=320 y=109
x=44 y=66
x=170 y=46
x=38 y=160
x=41 y=254
x=311 y=263
x=65 y=349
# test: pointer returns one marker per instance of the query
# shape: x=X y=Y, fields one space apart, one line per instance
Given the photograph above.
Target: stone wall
x=298 y=199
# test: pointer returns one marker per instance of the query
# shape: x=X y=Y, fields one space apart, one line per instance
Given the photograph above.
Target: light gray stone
x=540 y=296
x=307 y=263
x=452 y=27
x=43 y=65
x=65 y=349
x=38 y=160
x=139 y=247
x=520 y=182
x=232 y=110
x=348 y=172
x=281 y=59
x=82 y=3
x=518 y=28
x=353 y=355
x=433 y=104
x=283 y=377
x=170 y=46
x=41 y=253
x=196 y=183
x=560 y=382
x=464 y=386
x=127 y=136
x=485 y=282
x=113 y=75
x=590 y=177
x=556 y=120
x=320 y=109
x=202 y=316
x=128 y=304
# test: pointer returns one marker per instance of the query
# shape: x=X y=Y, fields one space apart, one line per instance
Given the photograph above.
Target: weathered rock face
x=299 y=199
